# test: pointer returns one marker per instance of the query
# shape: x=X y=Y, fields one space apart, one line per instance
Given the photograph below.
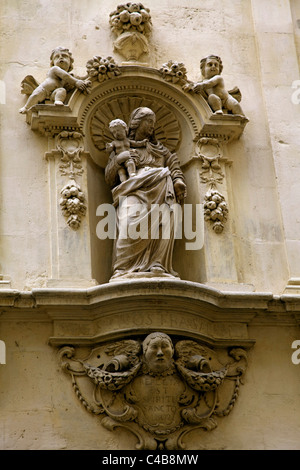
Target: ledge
x=159 y=294
x=154 y=289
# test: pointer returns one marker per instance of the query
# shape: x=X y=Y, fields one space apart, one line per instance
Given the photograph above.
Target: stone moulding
x=73 y=304
x=114 y=312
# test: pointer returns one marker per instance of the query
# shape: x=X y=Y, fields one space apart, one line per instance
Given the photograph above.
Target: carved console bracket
x=157 y=387
x=170 y=361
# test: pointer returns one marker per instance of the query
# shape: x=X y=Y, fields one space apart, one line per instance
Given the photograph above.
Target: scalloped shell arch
x=167 y=125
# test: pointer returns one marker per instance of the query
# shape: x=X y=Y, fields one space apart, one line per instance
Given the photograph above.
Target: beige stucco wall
x=259 y=44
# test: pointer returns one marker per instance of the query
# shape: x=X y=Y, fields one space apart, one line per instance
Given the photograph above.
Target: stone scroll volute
x=157 y=388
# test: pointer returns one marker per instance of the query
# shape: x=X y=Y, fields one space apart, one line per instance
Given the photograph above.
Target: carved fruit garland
x=215 y=209
x=215 y=205
x=131 y=392
x=72 y=204
x=72 y=201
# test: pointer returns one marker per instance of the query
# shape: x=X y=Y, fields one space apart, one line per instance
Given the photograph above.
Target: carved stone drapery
x=157 y=388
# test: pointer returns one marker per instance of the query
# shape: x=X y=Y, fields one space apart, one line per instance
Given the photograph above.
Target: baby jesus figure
x=125 y=154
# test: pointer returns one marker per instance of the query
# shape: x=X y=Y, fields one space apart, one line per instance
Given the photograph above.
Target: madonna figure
x=157 y=182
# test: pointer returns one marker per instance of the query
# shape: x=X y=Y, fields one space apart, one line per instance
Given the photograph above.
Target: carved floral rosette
x=72 y=204
x=174 y=72
x=101 y=68
x=190 y=390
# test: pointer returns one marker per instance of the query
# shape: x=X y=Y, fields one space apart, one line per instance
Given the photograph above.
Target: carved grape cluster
x=72 y=203
x=99 y=68
x=215 y=209
x=173 y=72
x=130 y=17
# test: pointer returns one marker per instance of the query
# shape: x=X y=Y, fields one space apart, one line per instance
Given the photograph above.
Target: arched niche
x=179 y=118
x=182 y=120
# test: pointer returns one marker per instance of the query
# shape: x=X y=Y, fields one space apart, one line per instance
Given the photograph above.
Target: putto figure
x=212 y=87
x=58 y=82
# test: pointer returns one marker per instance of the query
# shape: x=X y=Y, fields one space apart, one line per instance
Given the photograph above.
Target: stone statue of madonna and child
x=141 y=247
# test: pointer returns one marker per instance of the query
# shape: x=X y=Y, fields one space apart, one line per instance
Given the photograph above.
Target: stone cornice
x=49 y=119
x=162 y=288
x=176 y=295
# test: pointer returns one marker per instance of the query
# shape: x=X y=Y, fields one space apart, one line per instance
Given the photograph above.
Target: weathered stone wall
x=259 y=43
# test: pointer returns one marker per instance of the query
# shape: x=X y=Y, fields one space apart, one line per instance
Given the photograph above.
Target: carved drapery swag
x=159 y=389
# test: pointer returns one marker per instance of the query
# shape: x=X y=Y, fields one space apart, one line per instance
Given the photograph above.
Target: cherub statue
x=213 y=87
x=123 y=148
x=58 y=82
